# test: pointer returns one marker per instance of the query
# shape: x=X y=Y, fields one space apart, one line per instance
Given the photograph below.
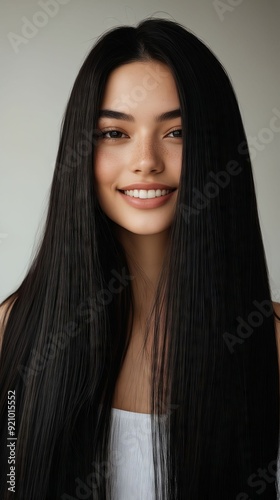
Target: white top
x=131 y=456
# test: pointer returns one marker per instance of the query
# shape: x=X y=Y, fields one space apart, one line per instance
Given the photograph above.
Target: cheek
x=106 y=175
x=104 y=170
x=178 y=166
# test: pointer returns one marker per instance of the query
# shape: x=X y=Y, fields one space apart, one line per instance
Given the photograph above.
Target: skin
x=145 y=151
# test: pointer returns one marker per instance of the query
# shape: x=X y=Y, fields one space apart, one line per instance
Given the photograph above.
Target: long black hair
x=212 y=320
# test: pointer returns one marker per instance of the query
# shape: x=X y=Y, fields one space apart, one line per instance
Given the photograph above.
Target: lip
x=146 y=186
x=146 y=203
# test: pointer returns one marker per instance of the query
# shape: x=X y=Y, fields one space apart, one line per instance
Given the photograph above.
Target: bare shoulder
x=276 y=307
x=5 y=309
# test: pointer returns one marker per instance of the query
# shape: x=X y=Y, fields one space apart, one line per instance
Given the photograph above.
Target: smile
x=147 y=199
x=143 y=193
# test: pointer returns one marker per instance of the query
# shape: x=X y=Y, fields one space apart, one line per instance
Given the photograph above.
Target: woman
x=159 y=307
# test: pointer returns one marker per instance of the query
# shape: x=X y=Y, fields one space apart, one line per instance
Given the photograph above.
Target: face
x=137 y=162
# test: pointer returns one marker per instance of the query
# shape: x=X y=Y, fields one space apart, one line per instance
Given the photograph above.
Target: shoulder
x=5 y=309
x=276 y=307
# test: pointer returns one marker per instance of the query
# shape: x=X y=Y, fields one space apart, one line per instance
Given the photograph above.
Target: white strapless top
x=131 y=457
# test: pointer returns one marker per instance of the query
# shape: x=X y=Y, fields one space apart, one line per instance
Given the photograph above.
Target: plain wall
x=39 y=69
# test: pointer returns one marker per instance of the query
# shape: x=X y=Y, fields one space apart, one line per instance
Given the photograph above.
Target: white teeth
x=143 y=193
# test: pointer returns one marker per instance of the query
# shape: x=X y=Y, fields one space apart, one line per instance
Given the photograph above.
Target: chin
x=144 y=230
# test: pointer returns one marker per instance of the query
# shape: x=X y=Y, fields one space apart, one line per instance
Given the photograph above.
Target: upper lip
x=146 y=186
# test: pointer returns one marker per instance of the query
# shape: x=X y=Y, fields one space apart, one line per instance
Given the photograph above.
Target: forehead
x=140 y=84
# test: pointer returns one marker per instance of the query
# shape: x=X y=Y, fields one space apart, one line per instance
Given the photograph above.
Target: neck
x=145 y=255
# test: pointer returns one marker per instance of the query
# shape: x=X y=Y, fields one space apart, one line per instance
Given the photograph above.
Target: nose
x=148 y=156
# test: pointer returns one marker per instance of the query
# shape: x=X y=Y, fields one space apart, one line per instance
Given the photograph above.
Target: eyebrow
x=118 y=115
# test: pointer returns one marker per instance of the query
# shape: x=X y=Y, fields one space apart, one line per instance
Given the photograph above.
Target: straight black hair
x=215 y=386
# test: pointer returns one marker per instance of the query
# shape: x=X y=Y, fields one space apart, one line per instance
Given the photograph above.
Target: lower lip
x=147 y=202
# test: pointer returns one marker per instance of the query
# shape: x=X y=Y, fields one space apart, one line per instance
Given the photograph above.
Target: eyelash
x=102 y=134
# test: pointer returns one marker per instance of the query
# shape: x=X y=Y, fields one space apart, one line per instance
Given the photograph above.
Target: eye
x=177 y=132
x=113 y=134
